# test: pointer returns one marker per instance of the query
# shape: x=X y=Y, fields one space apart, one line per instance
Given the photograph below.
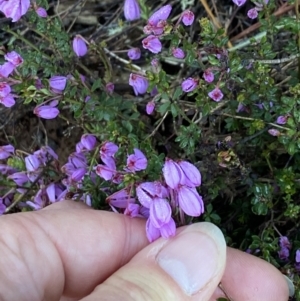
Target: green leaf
x=96 y=85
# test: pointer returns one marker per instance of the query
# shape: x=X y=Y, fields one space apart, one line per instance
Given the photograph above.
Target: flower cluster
x=13 y=60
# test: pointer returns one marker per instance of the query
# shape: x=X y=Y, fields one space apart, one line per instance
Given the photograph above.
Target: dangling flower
x=152 y=43
x=139 y=83
x=79 y=46
x=132 y=10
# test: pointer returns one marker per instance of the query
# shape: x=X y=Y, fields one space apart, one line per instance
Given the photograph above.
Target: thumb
x=186 y=267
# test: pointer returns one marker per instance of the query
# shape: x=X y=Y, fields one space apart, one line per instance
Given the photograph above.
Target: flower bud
x=134 y=53
x=132 y=10
x=139 y=83
x=189 y=84
x=79 y=46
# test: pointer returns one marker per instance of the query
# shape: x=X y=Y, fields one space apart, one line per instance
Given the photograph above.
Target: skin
x=68 y=251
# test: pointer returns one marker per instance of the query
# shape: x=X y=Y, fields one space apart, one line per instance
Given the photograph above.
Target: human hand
x=70 y=250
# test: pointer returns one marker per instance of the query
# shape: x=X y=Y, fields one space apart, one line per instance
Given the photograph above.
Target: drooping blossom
x=41 y=12
x=178 y=53
x=14 y=58
x=79 y=46
x=284 y=242
x=189 y=84
x=120 y=199
x=191 y=176
x=5 y=89
x=19 y=178
x=252 y=13
x=150 y=107
x=134 y=53
x=172 y=173
x=139 y=83
x=188 y=17
x=274 y=132
x=109 y=87
x=152 y=43
x=6 y=151
x=58 y=83
x=88 y=141
x=136 y=161
x=108 y=149
x=161 y=14
x=216 y=94
x=239 y=2
x=32 y=163
x=6 y=69
x=283 y=253
x=208 y=76
x=14 y=9
x=105 y=172
x=46 y=111
x=282 y=119
x=132 y=10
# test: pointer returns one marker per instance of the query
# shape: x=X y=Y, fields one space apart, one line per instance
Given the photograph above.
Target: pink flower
x=79 y=46
x=14 y=9
x=189 y=84
x=6 y=151
x=169 y=229
x=187 y=17
x=8 y=101
x=160 y=212
x=178 y=53
x=46 y=111
x=134 y=53
x=14 y=58
x=105 y=172
x=252 y=13
x=274 y=132
x=190 y=201
x=208 y=76
x=239 y=2
x=108 y=149
x=109 y=87
x=19 y=178
x=172 y=173
x=191 y=175
x=152 y=232
x=132 y=10
x=216 y=94
x=4 y=89
x=152 y=43
x=58 y=83
x=139 y=83
x=150 y=107
x=6 y=69
x=136 y=161
x=161 y=14
x=282 y=119
x=41 y=12
x=120 y=199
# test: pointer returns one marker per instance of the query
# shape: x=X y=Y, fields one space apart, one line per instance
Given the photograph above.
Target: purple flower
x=189 y=84
x=190 y=201
x=282 y=119
x=208 y=76
x=108 y=149
x=79 y=46
x=252 y=13
x=78 y=174
x=239 y=2
x=132 y=10
x=120 y=199
x=88 y=141
x=284 y=242
x=58 y=83
x=152 y=232
x=150 y=107
x=14 y=58
x=109 y=87
x=19 y=178
x=5 y=89
x=46 y=111
x=191 y=175
x=8 y=101
x=187 y=17
x=2 y=207
x=160 y=212
x=274 y=132
x=105 y=172
x=32 y=163
x=172 y=173
x=297 y=257
x=6 y=69
x=169 y=229
x=161 y=14
x=152 y=43
x=136 y=161
x=41 y=12
x=6 y=151
x=139 y=83
x=284 y=253
x=134 y=53
x=14 y=9
x=216 y=94
x=178 y=53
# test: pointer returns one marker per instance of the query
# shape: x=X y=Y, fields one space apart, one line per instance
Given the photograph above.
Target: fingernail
x=194 y=256
x=290 y=285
